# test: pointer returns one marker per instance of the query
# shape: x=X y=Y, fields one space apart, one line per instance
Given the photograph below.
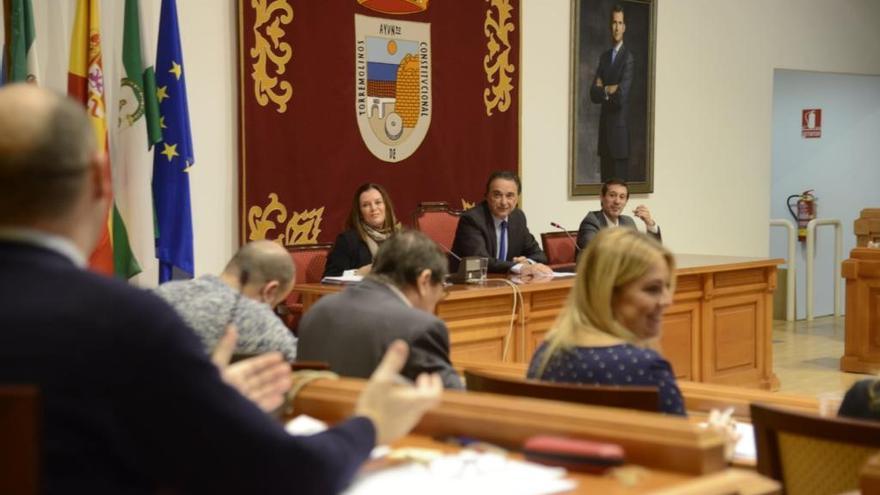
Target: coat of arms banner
x=421 y=96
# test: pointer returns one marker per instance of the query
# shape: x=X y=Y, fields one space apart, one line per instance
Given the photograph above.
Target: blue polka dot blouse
x=623 y=365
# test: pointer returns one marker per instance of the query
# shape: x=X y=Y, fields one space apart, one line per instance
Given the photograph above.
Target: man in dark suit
x=615 y=194
x=130 y=401
x=351 y=330
x=611 y=88
x=496 y=229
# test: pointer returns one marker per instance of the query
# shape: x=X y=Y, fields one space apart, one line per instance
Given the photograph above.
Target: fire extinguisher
x=806 y=211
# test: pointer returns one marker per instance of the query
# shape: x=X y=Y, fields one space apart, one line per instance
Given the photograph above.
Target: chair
x=811 y=454
x=438 y=221
x=560 y=249
x=19 y=439
x=639 y=398
x=310 y=261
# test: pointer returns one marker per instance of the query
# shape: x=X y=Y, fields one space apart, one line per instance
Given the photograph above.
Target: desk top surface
x=627 y=479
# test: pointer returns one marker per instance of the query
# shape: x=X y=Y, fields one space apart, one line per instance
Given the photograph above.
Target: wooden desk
x=676 y=456
x=726 y=481
x=718 y=329
x=862 y=347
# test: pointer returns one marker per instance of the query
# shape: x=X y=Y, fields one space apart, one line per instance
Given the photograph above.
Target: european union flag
x=173 y=156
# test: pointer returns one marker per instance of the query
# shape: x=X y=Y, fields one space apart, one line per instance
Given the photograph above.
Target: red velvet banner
x=333 y=94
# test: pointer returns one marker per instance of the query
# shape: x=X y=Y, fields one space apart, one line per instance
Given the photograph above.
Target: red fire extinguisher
x=806 y=211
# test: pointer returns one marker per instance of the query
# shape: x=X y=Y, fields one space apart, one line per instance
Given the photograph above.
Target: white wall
x=713 y=121
x=843 y=166
x=714 y=85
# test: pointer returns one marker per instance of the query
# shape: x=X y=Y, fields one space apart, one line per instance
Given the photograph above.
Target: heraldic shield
x=393 y=85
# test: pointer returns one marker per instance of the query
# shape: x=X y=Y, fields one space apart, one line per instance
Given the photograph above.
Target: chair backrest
x=310 y=261
x=559 y=247
x=811 y=454
x=438 y=221
x=19 y=439
x=640 y=398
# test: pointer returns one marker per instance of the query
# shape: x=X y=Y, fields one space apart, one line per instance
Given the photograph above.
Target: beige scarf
x=375 y=237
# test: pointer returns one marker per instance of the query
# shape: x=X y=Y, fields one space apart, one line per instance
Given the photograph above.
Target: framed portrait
x=612 y=94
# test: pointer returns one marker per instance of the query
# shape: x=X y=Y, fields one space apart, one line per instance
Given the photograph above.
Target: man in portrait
x=611 y=89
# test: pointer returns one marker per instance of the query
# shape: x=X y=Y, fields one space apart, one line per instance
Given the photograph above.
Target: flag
x=173 y=156
x=20 y=34
x=137 y=130
x=85 y=83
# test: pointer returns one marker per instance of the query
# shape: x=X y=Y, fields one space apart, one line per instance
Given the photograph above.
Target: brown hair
x=354 y=220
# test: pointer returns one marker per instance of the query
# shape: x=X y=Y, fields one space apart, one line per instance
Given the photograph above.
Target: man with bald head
x=129 y=401
x=263 y=273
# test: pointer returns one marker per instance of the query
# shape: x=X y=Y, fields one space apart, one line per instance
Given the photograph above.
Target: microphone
x=448 y=250
x=577 y=248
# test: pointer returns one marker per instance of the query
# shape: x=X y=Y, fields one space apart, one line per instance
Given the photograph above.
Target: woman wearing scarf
x=370 y=222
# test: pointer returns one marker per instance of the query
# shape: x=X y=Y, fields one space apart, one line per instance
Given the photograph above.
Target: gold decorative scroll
x=499 y=70
x=303 y=227
x=267 y=87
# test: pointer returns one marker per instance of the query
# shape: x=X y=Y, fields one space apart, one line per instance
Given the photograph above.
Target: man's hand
x=365 y=270
x=599 y=82
x=263 y=379
x=395 y=409
x=536 y=270
x=611 y=89
x=644 y=213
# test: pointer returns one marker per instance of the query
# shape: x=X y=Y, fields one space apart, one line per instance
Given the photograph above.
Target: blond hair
x=614 y=258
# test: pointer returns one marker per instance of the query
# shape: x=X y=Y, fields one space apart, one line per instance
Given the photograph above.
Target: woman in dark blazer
x=370 y=222
x=605 y=334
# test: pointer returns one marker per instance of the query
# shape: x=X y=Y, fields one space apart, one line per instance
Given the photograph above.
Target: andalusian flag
x=20 y=36
x=85 y=82
x=173 y=156
x=138 y=129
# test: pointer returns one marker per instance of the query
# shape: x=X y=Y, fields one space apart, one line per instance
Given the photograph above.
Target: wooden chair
x=810 y=454
x=310 y=261
x=438 y=221
x=560 y=249
x=638 y=398
x=19 y=439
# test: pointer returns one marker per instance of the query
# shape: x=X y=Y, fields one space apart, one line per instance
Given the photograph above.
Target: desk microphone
x=577 y=248
x=448 y=250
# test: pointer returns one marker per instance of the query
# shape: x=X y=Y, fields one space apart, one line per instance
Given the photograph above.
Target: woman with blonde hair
x=607 y=331
x=370 y=222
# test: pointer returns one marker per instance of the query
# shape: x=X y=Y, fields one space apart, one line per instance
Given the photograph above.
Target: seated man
x=496 y=229
x=210 y=303
x=615 y=193
x=130 y=403
x=351 y=330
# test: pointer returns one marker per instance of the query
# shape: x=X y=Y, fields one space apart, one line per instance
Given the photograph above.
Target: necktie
x=613 y=55
x=502 y=245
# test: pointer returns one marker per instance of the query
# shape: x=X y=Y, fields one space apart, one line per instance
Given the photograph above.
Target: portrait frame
x=591 y=39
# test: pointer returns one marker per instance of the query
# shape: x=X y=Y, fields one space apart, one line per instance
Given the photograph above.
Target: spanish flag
x=85 y=83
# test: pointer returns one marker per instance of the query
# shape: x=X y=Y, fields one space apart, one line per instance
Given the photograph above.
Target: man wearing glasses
x=351 y=330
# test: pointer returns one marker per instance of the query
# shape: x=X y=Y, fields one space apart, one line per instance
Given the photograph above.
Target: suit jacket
x=595 y=221
x=475 y=236
x=131 y=402
x=352 y=330
x=349 y=252
x=613 y=129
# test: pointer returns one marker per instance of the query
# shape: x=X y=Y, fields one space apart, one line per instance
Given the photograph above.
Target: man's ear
x=270 y=291
x=99 y=175
x=423 y=281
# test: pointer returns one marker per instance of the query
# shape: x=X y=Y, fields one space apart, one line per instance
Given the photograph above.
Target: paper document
x=464 y=473
x=345 y=279
x=745 y=446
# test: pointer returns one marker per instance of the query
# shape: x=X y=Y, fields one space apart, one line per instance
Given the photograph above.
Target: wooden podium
x=862 y=346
